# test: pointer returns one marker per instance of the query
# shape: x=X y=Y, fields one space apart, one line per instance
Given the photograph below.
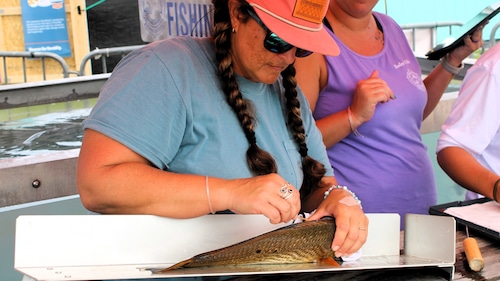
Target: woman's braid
x=259 y=161
x=312 y=169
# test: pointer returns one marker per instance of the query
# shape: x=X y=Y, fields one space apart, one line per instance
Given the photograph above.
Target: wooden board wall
x=11 y=40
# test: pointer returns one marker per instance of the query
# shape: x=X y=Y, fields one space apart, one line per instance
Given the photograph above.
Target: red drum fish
x=309 y=241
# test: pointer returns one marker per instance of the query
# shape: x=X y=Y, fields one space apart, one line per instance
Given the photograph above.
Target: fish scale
x=308 y=241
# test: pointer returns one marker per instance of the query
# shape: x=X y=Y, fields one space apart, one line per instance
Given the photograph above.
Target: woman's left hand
x=471 y=43
x=350 y=220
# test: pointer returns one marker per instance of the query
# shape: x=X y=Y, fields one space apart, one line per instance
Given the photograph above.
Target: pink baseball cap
x=298 y=22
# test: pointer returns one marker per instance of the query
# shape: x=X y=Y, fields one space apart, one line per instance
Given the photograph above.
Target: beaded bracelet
x=344 y=188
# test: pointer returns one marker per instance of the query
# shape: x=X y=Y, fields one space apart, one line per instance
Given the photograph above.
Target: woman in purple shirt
x=369 y=104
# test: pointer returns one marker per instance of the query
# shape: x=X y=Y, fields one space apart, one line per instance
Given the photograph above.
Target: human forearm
x=437 y=81
x=436 y=84
x=113 y=179
x=336 y=127
x=466 y=171
x=136 y=188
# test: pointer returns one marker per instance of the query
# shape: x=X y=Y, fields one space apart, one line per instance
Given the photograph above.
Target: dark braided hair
x=260 y=161
x=312 y=169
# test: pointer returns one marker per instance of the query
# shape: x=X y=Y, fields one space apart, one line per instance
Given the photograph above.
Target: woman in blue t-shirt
x=190 y=126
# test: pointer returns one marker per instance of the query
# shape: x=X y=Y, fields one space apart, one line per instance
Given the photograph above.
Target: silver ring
x=285 y=191
x=363 y=228
x=288 y=195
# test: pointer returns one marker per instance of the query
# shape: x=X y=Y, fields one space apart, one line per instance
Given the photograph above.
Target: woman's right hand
x=263 y=195
x=368 y=94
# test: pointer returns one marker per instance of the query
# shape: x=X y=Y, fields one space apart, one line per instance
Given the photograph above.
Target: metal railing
x=492 y=35
x=103 y=54
x=432 y=27
x=33 y=55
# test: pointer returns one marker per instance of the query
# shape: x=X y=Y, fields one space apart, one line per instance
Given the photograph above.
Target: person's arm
x=436 y=83
x=112 y=179
x=438 y=80
x=464 y=169
x=312 y=77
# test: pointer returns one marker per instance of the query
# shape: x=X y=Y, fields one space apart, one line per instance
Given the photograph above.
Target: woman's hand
x=368 y=94
x=471 y=43
x=351 y=222
x=269 y=195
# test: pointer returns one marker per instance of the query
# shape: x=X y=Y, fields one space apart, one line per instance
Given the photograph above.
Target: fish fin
x=329 y=261
x=175 y=266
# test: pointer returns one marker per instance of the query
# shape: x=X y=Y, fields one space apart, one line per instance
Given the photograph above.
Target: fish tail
x=175 y=266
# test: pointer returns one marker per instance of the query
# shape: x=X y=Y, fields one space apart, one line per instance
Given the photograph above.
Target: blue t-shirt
x=165 y=102
x=388 y=168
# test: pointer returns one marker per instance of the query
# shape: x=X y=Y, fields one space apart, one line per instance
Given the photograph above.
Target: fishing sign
x=161 y=19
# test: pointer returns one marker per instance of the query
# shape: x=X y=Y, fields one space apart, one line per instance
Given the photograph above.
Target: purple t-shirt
x=388 y=167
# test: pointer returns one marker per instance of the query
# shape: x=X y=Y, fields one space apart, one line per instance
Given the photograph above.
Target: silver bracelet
x=207 y=189
x=450 y=68
x=344 y=188
x=349 y=117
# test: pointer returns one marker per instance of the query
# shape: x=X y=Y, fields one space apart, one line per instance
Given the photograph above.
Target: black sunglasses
x=275 y=44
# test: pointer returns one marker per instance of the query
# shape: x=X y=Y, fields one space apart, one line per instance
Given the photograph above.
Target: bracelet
x=207 y=188
x=344 y=188
x=450 y=68
x=349 y=117
x=495 y=186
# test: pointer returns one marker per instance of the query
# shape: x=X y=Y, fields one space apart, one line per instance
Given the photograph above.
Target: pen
x=472 y=252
